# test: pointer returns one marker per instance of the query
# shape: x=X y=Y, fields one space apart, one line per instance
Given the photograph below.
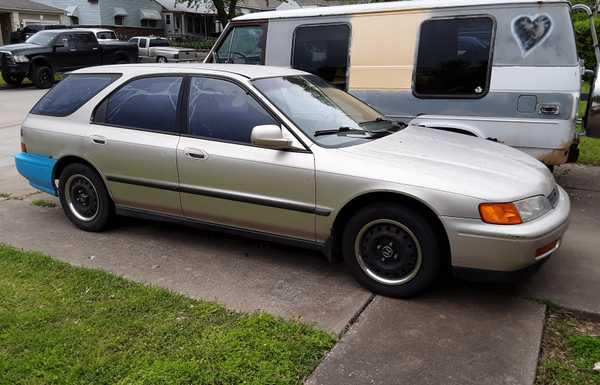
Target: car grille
x=553 y=197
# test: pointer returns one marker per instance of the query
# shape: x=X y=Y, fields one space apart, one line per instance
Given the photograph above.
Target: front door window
x=243 y=45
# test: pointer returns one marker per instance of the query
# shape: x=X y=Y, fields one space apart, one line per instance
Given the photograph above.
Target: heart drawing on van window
x=530 y=32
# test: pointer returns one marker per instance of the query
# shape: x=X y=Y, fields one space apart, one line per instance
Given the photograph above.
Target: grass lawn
x=570 y=348
x=65 y=325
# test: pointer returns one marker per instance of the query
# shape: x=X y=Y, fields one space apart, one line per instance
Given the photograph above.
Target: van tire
x=42 y=76
x=84 y=198
x=392 y=249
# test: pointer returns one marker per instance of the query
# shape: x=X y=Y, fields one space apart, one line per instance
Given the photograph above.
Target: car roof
x=386 y=6
x=95 y=30
x=245 y=70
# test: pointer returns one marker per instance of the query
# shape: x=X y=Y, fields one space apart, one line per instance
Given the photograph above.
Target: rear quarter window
x=72 y=93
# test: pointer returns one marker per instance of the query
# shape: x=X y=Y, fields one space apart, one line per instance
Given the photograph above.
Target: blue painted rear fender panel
x=38 y=170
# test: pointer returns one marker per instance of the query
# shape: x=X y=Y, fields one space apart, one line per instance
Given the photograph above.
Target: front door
x=133 y=141
x=226 y=180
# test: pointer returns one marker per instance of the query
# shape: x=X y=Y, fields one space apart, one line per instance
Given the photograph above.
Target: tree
x=225 y=8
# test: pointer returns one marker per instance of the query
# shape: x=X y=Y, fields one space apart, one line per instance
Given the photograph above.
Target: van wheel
x=392 y=249
x=43 y=76
x=13 y=80
x=161 y=59
x=84 y=198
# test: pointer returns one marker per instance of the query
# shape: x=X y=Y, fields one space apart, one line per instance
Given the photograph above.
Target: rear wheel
x=12 y=79
x=392 y=249
x=84 y=198
x=43 y=76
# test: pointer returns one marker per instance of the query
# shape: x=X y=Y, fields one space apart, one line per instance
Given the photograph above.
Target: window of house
x=146 y=103
x=74 y=20
x=323 y=50
x=72 y=93
x=458 y=64
x=243 y=45
x=148 y=23
x=219 y=109
x=168 y=19
x=119 y=20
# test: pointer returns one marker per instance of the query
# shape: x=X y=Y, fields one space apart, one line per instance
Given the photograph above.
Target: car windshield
x=329 y=116
x=42 y=38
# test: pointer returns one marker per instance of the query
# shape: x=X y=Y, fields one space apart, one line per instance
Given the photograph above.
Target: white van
x=504 y=70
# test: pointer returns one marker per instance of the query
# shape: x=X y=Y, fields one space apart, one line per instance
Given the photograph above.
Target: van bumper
x=478 y=246
x=38 y=170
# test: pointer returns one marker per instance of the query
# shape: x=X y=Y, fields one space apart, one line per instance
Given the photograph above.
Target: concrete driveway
x=457 y=334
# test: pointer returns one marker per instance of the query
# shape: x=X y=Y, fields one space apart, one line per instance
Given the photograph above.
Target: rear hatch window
x=72 y=93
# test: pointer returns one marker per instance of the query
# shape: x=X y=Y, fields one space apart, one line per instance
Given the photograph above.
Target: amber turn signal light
x=500 y=213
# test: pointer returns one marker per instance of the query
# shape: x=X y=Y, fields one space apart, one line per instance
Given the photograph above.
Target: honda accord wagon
x=279 y=154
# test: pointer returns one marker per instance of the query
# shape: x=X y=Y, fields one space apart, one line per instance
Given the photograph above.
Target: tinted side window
x=147 y=103
x=322 y=50
x=243 y=45
x=457 y=64
x=222 y=110
x=71 y=93
x=142 y=43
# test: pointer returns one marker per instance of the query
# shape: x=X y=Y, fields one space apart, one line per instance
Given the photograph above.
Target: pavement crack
x=356 y=316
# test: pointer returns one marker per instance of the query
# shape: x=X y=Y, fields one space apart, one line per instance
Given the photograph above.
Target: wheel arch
x=366 y=199
x=66 y=160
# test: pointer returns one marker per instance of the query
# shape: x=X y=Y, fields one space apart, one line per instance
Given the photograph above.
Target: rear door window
x=147 y=104
x=457 y=65
x=72 y=93
x=243 y=45
x=323 y=50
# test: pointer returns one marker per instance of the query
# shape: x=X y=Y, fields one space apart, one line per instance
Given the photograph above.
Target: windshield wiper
x=340 y=130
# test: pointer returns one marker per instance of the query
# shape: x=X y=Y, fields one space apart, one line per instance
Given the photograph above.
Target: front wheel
x=84 y=198
x=392 y=249
x=13 y=79
x=161 y=59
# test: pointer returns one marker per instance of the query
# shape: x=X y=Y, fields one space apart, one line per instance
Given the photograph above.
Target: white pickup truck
x=158 y=49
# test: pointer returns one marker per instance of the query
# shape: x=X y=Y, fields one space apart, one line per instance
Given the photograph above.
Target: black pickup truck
x=62 y=50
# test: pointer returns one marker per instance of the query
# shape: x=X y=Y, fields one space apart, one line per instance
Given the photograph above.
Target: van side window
x=148 y=104
x=454 y=58
x=243 y=45
x=323 y=50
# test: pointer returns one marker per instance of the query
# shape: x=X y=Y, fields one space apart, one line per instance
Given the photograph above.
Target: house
x=181 y=20
x=126 y=17
x=19 y=13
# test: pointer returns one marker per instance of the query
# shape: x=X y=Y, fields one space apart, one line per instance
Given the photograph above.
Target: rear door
x=133 y=141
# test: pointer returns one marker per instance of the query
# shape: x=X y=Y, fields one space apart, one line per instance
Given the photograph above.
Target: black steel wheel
x=43 y=76
x=84 y=198
x=392 y=249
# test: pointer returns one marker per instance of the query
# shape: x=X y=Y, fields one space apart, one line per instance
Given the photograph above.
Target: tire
x=161 y=59
x=122 y=61
x=43 y=76
x=392 y=249
x=84 y=198
x=13 y=80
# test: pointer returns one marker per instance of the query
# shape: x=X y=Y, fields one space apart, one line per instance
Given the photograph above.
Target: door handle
x=550 y=109
x=98 y=139
x=95 y=49
x=72 y=49
x=194 y=153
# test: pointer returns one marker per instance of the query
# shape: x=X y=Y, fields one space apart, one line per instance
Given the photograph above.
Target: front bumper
x=38 y=170
x=15 y=69
x=506 y=248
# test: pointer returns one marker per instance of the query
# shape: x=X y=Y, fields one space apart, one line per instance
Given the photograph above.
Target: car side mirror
x=270 y=136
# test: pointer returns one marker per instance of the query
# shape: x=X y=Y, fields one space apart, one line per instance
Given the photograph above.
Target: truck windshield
x=329 y=116
x=42 y=38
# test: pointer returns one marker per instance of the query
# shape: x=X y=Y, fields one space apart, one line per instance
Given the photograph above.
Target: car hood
x=455 y=163
x=13 y=48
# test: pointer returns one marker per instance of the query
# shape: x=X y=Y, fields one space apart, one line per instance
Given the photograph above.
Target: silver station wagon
x=280 y=154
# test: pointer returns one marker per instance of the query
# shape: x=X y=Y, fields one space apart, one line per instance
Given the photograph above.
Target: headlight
x=514 y=213
x=20 y=59
x=534 y=207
